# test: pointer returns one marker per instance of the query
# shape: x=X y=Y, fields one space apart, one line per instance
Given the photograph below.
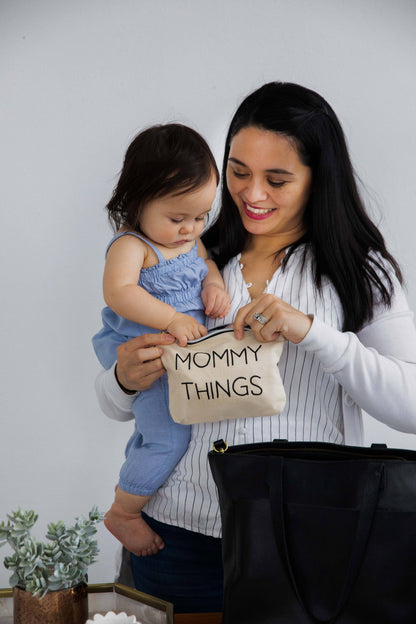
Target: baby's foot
x=132 y=531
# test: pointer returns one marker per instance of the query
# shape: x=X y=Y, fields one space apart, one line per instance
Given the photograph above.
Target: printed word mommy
x=202 y=359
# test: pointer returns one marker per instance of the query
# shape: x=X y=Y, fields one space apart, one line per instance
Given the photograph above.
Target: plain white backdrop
x=79 y=79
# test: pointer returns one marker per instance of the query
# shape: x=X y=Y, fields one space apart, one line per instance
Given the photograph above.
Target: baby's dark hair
x=161 y=160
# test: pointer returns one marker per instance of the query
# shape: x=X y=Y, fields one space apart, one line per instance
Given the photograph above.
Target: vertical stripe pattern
x=312 y=412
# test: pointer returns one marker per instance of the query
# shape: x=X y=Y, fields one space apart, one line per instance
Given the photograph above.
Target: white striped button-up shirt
x=328 y=378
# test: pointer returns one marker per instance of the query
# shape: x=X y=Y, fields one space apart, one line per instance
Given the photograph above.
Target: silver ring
x=260 y=318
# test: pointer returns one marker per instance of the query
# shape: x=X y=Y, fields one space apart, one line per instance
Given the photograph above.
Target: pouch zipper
x=224 y=329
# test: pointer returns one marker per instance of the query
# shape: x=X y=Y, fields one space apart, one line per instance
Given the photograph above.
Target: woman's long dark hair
x=161 y=160
x=339 y=232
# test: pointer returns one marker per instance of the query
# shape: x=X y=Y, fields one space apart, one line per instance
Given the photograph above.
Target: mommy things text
x=228 y=385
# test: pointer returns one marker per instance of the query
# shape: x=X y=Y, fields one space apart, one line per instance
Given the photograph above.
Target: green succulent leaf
x=59 y=563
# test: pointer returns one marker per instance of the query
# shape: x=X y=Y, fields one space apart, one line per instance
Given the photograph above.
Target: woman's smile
x=253 y=212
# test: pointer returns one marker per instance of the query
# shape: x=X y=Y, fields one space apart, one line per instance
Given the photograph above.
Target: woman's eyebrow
x=238 y=162
x=279 y=171
x=283 y=171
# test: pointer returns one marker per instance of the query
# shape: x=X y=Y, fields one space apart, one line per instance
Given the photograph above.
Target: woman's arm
x=115 y=403
x=138 y=366
x=377 y=366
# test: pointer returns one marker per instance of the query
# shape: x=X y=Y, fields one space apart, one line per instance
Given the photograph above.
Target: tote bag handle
x=368 y=507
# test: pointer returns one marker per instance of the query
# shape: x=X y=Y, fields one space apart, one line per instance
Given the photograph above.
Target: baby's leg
x=124 y=520
x=151 y=455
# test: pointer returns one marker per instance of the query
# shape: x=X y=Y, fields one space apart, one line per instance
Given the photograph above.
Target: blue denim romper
x=157 y=443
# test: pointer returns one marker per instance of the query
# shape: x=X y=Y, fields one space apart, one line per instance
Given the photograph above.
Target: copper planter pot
x=66 y=606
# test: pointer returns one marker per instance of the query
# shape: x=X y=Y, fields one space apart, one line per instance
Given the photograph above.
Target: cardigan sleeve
x=377 y=366
x=115 y=403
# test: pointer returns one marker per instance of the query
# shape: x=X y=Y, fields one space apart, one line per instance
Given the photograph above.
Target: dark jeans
x=187 y=572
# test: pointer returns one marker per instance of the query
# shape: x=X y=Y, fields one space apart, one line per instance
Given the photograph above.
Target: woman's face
x=268 y=183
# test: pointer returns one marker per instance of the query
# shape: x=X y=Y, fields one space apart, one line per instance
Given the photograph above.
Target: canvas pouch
x=218 y=377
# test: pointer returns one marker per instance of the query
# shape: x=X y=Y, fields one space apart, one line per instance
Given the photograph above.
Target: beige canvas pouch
x=218 y=377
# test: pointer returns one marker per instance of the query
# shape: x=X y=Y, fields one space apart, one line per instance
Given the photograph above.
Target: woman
x=300 y=258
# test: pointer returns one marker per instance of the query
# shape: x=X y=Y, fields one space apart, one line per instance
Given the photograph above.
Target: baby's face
x=174 y=220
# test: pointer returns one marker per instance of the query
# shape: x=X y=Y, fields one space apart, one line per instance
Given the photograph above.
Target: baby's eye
x=176 y=220
x=200 y=218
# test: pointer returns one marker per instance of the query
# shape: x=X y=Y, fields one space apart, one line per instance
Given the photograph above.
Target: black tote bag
x=317 y=533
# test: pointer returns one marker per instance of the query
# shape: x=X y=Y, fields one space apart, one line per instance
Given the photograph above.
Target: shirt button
x=348 y=400
x=242 y=430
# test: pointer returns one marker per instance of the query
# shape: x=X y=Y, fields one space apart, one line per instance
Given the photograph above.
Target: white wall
x=79 y=79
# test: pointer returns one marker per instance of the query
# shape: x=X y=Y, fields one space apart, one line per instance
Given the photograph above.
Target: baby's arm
x=122 y=294
x=213 y=294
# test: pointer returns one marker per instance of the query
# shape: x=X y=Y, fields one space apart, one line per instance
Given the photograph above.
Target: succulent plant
x=61 y=563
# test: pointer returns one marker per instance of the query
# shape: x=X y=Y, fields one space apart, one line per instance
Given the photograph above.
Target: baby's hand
x=184 y=327
x=216 y=301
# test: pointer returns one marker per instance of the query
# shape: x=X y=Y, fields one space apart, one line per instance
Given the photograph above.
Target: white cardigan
x=373 y=370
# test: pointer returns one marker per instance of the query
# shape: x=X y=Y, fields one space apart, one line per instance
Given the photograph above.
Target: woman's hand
x=139 y=363
x=277 y=319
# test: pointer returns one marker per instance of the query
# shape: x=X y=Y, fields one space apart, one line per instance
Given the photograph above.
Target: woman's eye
x=237 y=174
x=276 y=184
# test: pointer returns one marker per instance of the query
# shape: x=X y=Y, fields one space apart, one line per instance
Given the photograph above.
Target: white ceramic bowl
x=113 y=618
